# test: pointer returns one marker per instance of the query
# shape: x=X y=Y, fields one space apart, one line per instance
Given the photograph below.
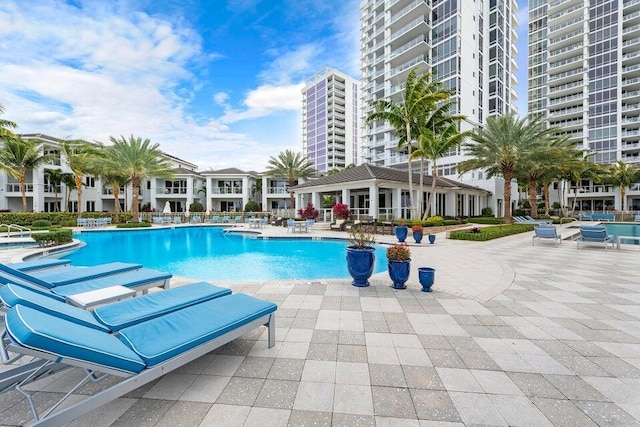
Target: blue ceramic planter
x=417 y=236
x=432 y=238
x=426 y=277
x=399 y=272
x=401 y=232
x=360 y=264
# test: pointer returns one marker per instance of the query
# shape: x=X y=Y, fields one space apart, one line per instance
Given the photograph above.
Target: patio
x=511 y=335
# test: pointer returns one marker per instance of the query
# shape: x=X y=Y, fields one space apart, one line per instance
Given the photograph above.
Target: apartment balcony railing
x=566 y=86
x=564 y=37
x=227 y=190
x=565 y=12
x=565 y=24
x=109 y=191
x=171 y=190
x=592 y=189
x=566 y=74
x=52 y=189
x=402 y=12
x=15 y=187
x=409 y=26
x=278 y=190
x=630 y=3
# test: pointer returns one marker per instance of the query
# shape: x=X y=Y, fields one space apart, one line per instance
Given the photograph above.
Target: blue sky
x=216 y=83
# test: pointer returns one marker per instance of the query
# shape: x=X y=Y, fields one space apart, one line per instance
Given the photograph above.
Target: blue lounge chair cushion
x=12 y=295
x=67 y=275
x=126 y=313
x=34 y=329
x=130 y=279
x=39 y=264
x=164 y=337
x=14 y=276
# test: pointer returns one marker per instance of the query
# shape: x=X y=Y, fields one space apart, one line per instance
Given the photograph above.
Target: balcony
x=227 y=190
x=108 y=191
x=278 y=190
x=52 y=188
x=15 y=187
x=171 y=190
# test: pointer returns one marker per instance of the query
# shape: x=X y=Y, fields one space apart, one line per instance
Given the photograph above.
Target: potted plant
x=309 y=212
x=399 y=264
x=426 y=277
x=417 y=230
x=361 y=256
x=401 y=231
x=342 y=213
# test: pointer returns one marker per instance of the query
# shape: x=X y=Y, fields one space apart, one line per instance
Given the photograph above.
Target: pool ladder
x=24 y=231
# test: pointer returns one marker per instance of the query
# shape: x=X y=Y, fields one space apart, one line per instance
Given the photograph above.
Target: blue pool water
x=209 y=253
x=624 y=230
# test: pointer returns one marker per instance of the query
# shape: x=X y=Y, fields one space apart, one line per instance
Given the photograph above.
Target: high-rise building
x=330 y=120
x=469 y=45
x=584 y=77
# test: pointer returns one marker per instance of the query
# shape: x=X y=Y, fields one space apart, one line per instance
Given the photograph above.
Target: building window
x=89 y=182
x=91 y=206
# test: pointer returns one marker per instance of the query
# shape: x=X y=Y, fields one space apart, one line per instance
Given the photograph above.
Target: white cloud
x=265 y=100
x=291 y=65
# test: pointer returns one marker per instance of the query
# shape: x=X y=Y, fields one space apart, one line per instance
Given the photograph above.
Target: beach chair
x=177 y=220
x=636 y=218
x=546 y=232
x=68 y=274
x=226 y=219
x=291 y=225
x=138 y=280
x=195 y=219
x=309 y=225
x=539 y=221
x=264 y=221
x=39 y=264
x=595 y=234
x=237 y=219
x=214 y=219
x=140 y=353
x=81 y=222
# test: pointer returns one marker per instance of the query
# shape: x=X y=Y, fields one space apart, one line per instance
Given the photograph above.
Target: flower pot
x=417 y=236
x=432 y=238
x=401 y=232
x=399 y=272
x=360 y=264
x=426 y=277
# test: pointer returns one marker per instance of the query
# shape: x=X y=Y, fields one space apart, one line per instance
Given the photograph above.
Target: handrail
x=20 y=228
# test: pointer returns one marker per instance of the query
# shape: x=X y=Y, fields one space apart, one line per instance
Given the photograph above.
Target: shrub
x=53 y=238
x=341 y=211
x=360 y=238
x=490 y=220
x=417 y=227
x=134 y=225
x=41 y=223
x=489 y=233
x=309 y=212
x=487 y=211
x=196 y=207
x=252 y=206
x=399 y=252
x=434 y=219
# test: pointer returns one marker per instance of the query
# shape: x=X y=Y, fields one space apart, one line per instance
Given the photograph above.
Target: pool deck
x=513 y=334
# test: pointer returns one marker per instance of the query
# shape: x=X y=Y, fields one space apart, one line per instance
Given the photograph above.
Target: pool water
x=624 y=230
x=208 y=253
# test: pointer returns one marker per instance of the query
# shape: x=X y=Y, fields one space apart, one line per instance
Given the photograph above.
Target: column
x=345 y=196
x=246 y=191
x=396 y=203
x=37 y=199
x=373 y=201
x=189 y=192
x=209 y=194
x=265 y=192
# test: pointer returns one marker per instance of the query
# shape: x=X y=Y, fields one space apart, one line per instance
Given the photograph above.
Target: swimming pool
x=618 y=229
x=208 y=253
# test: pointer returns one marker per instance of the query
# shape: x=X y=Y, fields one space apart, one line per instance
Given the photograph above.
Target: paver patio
x=511 y=335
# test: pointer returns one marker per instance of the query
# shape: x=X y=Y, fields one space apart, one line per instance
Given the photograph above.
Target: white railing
x=171 y=190
x=15 y=187
x=24 y=231
x=226 y=190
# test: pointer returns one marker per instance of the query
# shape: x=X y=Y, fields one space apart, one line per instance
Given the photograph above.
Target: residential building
x=469 y=45
x=229 y=190
x=330 y=120
x=584 y=77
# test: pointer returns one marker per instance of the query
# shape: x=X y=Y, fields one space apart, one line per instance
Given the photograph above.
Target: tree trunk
x=508 y=175
x=532 y=191
x=623 y=193
x=421 y=196
x=292 y=198
x=23 y=190
x=136 y=194
x=409 y=148
x=547 y=202
x=79 y=192
x=55 y=197
x=116 y=206
x=434 y=177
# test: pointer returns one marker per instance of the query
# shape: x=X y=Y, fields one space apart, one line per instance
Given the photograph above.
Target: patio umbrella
x=187 y=213
x=167 y=209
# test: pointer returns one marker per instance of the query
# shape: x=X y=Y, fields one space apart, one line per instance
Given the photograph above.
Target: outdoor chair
x=226 y=219
x=81 y=222
x=309 y=225
x=214 y=219
x=237 y=219
x=595 y=234
x=68 y=274
x=636 y=218
x=546 y=232
x=177 y=220
x=291 y=225
x=139 y=353
x=39 y=264
x=195 y=219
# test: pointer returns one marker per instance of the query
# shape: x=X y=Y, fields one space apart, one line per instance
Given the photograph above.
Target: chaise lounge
x=595 y=234
x=68 y=274
x=139 y=353
x=546 y=232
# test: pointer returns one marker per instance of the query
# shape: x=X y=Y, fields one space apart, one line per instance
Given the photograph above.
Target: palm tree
x=581 y=169
x=622 y=175
x=420 y=95
x=55 y=179
x=81 y=158
x=290 y=165
x=111 y=174
x=69 y=182
x=439 y=134
x=500 y=147
x=17 y=156
x=5 y=126
x=138 y=159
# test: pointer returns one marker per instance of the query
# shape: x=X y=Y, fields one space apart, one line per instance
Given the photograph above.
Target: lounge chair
x=118 y=315
x=140 y=353
x=138 y=280
x=214 y=219
x=541 y=221
x=39 y=264
x=586 y=217
x=237 y=219
x=548 y=232
x=595 y=234
x=195 y=219
x=339 y=225
x=264 y=221
x=81 y=222
x=226 y=219
x=636 y=218
x=177 y=220
x=291 y=225
x=67 y=275
x=309 y=225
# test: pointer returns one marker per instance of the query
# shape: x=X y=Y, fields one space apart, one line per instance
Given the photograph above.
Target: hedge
x=53 y=238
x=489 y=233
x=57 y=218
x=490 y=220
x=134 y=225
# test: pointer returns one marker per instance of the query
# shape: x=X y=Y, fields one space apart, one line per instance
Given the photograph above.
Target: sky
x=217 y=83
